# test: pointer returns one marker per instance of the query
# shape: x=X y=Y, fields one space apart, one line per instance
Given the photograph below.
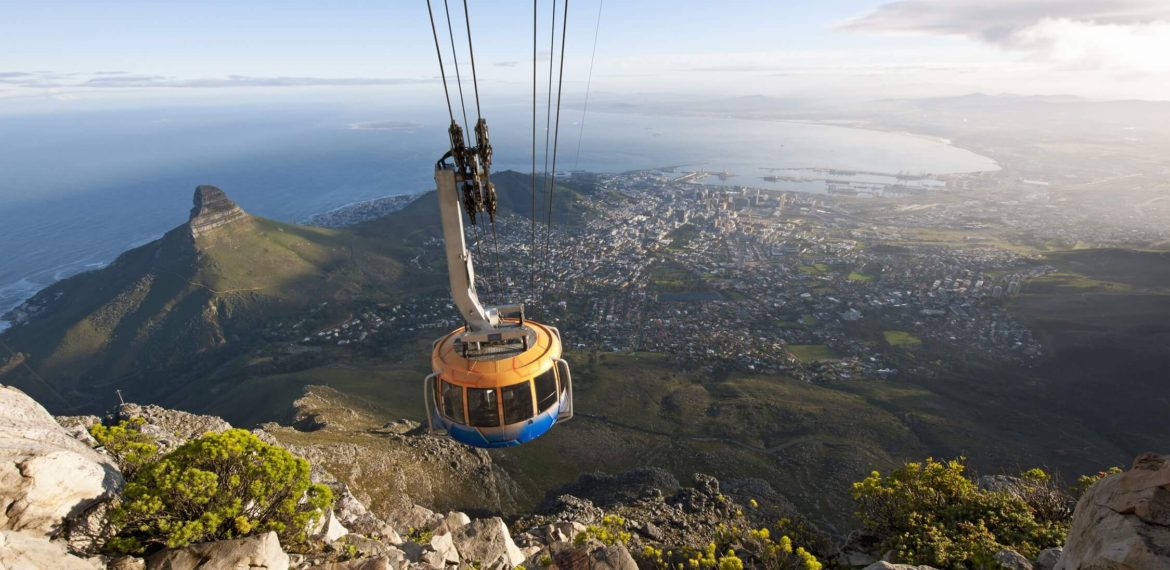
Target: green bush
x=1085 y=481
x=130 y=448
x=219 y=486
x=740 y=545
x=932 y=513
x=612 y=530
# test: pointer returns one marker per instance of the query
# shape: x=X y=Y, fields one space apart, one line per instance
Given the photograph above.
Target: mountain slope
x=202 y=291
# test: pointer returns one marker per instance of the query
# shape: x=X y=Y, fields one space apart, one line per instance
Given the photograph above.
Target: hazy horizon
x=62 y=56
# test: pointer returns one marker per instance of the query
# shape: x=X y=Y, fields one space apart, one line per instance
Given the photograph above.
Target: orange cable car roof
x=450 y=365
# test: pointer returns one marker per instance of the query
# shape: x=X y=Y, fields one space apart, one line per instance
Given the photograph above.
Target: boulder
x=370 y=548
x=354 y=515
x=328 y=528
x=416 y=517
x=593 y=555
x=1047 y=559
x=443 y=549
x=1123 y=520
x=570 y=508
x=47 y=477
x=259 y=552
x=487 y=542
x=883 y=565
x=31 y=551
x=451 y=522
x=375 y=563
x=612 y=557
x=1008 y=559
x=126 y=563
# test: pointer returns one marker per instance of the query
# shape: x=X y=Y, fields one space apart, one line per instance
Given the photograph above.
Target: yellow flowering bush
x=219 y=486
x=931 y=513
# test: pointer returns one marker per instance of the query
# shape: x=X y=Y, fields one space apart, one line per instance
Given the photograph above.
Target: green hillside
x=165 y=312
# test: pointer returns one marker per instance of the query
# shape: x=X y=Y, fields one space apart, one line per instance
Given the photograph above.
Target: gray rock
x=570 y=508
x=354 y=515
x=402 y=426
x=260 y=552
x=90 y=529
x=1008 y=559
x=612 y=557
x=370 y=548
x=706 y=484
x=1047 y=559
x=30 y=551
x=47 y=477
x=375 y=563
x=453 y=521
x=78 y=427
x=443 y=550
x=171 y=428
x=883 y=565
x=487 y=542
x=328 y=528
x=126 y=563
x=1123 y=520
x=414 y=518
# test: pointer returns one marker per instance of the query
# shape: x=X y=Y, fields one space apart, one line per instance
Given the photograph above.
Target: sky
x=58 y=55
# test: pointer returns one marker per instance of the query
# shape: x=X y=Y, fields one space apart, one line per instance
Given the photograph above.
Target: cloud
x=999 y=20
x=1119 y=35
x=124 y=80
x=507 y=64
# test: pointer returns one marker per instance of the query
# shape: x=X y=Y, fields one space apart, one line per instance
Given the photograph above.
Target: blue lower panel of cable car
x=500 y=436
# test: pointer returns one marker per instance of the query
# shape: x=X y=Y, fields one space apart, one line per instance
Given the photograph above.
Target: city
x=762 y=280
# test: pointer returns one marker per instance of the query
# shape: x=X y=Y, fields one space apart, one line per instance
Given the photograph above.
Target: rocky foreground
x=56 y=483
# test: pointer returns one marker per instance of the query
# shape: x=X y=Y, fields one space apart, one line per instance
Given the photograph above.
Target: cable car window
x=482 y=410
x=517 y=403
x=546 y=390
x=453 y=402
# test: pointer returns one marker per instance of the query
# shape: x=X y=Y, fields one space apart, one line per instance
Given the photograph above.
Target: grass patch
x=672 y=277
x=812 y=352
x=901 y=339
x=815 y=269
x=855 y=276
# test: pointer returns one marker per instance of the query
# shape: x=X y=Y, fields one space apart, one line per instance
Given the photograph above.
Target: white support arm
x=459 y=267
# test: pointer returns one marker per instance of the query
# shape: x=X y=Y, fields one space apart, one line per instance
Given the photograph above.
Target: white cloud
x=1137 y=48
x=1123 y=36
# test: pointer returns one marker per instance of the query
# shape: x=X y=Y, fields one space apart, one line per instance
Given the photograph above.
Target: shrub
x=612 y=530
x=1085 y=481
x=741 y=545
x=932 y=513
x=130 y=448
x=219 y=486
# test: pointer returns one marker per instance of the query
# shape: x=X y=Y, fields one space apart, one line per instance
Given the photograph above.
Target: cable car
x=500 y=398
x=499 y=380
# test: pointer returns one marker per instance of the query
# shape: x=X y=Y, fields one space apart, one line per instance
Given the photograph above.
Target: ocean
x=79 y=188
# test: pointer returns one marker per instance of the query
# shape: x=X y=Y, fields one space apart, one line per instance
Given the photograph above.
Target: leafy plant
x=612 y=530
x=1085 y=481
x=219 y=486
x=740 y=545
x=932 y=513
x=130 y=448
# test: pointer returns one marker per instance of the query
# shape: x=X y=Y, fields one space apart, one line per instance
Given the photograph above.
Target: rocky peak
x=212 y=209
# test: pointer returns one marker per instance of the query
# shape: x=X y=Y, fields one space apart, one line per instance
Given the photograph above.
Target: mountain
x=202 y=291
